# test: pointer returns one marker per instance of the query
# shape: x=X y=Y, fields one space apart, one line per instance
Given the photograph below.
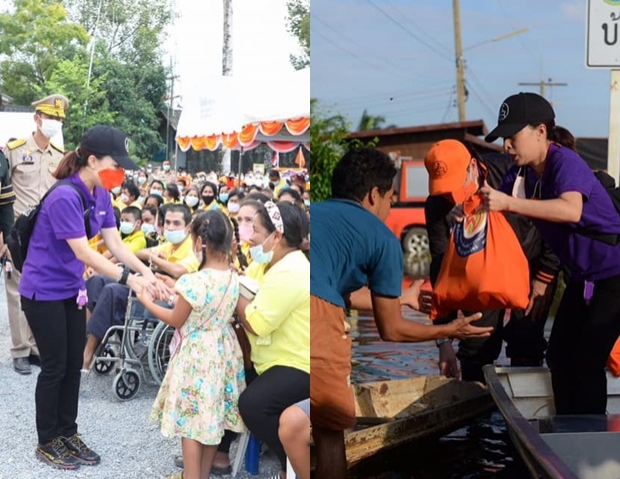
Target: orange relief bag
x=484 y=267
x=613 y=362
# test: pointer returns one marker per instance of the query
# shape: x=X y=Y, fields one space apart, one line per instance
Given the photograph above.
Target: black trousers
x=581 y=339
x=266 y=397
x=59 y=329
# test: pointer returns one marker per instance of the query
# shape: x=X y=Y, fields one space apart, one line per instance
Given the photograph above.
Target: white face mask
x=141 y=180
x=124 y=198
x=234 y=207
x=157 y=192
x=147 y=228
x=50 y=128
x=191 y=201
x=116 y=190
x=166 y=167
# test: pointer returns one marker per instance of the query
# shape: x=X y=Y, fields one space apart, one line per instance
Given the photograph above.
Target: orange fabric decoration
x=211 y=142
x=248 y=134
x=297 y=126
x=183 y=142
x=299 y=159
x=229 y=140
x=484 y=267
x=613 y=362
x=270 y=128
x=198 y=142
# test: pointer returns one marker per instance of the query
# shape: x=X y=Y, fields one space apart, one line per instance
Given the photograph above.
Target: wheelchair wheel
x=104 y=367
x=159 y=353
x=126 y=384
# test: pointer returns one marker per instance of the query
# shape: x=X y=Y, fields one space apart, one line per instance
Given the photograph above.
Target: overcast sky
x=396 y=58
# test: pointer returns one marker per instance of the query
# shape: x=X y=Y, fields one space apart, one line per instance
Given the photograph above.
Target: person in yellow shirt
x=277 y=321
x=130 y=196
x=131 y=231
x=108 y=302
x=207 y=194
x=276 y=182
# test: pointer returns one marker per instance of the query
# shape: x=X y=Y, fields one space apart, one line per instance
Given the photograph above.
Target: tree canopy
x=104 y=56
x=299 y=25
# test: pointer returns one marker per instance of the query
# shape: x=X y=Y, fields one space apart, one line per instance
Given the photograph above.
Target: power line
x=409 y=32
x=356 y=56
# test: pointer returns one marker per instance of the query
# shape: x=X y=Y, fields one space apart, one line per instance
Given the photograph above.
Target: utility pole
x=460 y=66
x=227 y=68
x=542 y=84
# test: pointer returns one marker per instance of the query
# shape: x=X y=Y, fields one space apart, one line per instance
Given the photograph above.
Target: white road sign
x=603 y=34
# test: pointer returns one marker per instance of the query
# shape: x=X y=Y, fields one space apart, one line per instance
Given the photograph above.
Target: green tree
x=328 y=142
x=34 y=37
x=134 y=94
x=131 y=30
x=299 y=25
x=70 y=76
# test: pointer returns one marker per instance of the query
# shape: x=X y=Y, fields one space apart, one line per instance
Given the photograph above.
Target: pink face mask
x=245 y=233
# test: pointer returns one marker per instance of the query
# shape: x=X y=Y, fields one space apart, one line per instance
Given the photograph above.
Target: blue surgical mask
x=223 y=197
x=126 y=227
x=307 y=202
x=148 y=228
x=175 y=237
x=259 y=255
x=157 y=192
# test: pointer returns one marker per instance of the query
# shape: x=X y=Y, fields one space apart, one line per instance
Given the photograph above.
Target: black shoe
x=81 y=451
x=34 y=360
x=57 y=455
x=22 y=366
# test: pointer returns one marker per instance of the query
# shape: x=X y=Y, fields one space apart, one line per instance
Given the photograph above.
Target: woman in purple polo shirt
x=551 y=184
x=52 y=287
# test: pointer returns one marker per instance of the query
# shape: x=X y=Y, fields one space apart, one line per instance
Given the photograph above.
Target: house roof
x=474 y=128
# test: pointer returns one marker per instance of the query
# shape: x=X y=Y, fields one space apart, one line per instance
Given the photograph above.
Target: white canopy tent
x=240 y=112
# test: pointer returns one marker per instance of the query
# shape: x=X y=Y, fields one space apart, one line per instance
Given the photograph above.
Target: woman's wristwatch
x=124 y=276
x=439 y=342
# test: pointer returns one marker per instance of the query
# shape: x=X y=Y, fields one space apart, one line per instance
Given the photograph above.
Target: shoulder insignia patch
x=57 y=148
x=16 y=143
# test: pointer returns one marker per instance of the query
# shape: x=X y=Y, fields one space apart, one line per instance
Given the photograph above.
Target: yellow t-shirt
x=135 y=241
x=184 y=255
x=280 y=315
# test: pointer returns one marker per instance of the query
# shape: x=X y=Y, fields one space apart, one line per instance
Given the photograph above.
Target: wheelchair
x=130 y=349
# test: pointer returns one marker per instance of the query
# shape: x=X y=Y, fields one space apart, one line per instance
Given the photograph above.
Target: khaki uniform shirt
x=31 y=171
x=168 y=177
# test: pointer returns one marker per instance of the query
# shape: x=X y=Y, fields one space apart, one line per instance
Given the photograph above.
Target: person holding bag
x=554 y=187
x=52 y=288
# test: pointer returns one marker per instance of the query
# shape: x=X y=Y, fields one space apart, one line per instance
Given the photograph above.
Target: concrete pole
x=460 y=67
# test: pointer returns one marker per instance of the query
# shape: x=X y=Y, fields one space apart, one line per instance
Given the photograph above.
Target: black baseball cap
x=520 y=110
x=107 y=140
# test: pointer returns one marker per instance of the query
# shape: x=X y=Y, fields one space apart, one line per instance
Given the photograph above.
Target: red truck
x=406 y=219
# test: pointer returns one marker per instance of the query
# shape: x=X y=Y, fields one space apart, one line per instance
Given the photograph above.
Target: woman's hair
x=213 y=187
x=159 y=199
x=73 y=162
x=215 y=231
x=173 y=191
x=295 y=220
x=292 y=193
x=159 y=182
x=562 y=136
x=151 y=210
x=261 y=197
x=238 y=192
x=243 y=261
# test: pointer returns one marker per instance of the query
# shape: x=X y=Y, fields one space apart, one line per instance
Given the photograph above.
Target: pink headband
x=274 y=215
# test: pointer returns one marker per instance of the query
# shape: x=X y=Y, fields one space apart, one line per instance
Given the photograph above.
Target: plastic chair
x=248 y=447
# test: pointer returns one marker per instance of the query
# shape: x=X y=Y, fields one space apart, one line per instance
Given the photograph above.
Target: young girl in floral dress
x=198 y=396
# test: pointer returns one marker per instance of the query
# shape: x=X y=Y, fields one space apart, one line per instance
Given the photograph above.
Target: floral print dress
x=199 y=394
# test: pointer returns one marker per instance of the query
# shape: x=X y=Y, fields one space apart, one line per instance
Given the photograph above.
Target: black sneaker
x=56 y=454
x=81 y=451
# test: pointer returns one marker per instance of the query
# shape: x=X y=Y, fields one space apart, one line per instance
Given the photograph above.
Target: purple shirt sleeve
x=571 y=173
x=66 y=213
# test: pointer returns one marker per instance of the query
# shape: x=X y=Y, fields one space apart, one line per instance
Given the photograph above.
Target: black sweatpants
x=581 y=339
x=59 y=328
x=266 y=397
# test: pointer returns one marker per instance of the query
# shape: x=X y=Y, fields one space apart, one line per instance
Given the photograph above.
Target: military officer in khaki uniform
x=166 y=174
x=32 y=162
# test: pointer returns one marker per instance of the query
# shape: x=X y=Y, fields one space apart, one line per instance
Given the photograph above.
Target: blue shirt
x=352 y=248
x=52 y=271
x=588 y=258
